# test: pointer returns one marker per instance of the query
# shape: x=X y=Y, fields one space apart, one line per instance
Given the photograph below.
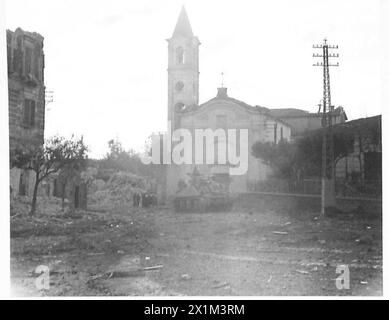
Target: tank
x=202 y=194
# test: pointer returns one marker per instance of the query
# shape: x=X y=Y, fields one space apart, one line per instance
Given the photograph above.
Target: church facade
x=221 y=112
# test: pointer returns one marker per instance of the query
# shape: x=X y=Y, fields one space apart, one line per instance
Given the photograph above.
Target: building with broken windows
x=26 y=93
x=359 y=171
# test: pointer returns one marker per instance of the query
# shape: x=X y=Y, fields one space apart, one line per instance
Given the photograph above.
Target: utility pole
x=328 y=165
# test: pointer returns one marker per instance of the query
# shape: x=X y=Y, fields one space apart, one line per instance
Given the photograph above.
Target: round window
x=179 y=86
x=180 y=106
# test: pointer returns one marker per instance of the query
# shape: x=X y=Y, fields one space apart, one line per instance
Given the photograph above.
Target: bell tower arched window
x=180 y=55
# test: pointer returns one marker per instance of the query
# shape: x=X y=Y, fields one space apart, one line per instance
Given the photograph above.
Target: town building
x=360 y=170
x=26 y=94
x=302 y=121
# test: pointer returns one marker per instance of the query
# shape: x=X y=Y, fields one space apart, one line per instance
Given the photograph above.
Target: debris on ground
x=221 y=285
x=73 y=249
x=185 y=276
x=302 y=271
x=103 y=252
x=153 y=268
x=280 y=232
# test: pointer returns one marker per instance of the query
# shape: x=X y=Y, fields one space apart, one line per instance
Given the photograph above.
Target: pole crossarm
x=320 y=64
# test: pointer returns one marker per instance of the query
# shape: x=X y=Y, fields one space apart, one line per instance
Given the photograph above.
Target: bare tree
x=57 y=153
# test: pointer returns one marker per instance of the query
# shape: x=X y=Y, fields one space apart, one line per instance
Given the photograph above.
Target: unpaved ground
x=238 y=253
x=243 y=252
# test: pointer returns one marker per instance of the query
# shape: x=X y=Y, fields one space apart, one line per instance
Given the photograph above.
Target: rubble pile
x=117 y=192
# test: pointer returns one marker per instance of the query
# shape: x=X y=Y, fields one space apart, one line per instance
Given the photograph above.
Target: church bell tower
x=183 y=69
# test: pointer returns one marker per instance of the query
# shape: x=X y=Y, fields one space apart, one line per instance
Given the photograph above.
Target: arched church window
x=180 y=55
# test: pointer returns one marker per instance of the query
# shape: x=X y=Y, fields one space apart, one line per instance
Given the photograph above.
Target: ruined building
x=26 y=93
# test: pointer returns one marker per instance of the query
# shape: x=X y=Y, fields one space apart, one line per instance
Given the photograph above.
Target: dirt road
x=247 y=252
x=254 y=253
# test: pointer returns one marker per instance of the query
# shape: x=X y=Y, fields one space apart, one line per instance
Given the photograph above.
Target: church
x=225 y=112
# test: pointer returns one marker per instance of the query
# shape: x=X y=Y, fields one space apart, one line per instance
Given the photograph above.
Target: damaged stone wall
x=26 y=88
x=26 y=93
x=74 y=189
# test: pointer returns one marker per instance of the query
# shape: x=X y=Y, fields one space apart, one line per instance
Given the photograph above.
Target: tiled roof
x=248 y=107
x=288 y=112
x=361 y=123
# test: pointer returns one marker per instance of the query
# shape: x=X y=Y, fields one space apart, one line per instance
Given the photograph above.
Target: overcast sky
x=106 y=61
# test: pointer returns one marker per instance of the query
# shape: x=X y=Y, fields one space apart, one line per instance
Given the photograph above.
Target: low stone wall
x=284 y=202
